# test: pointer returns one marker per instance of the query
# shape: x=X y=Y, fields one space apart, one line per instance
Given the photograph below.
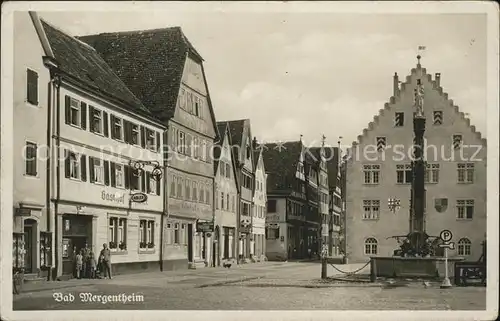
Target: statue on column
x=419 y=99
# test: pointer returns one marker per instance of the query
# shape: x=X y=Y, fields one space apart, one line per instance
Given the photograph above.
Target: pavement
x=257 y=286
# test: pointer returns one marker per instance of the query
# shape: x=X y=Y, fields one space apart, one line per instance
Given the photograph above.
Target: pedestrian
x=86 y=261
x=79 y=264
x=92 y=265
x=106 y=260
x=309 y=252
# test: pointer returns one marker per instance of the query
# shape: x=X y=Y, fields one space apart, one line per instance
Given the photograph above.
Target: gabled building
x=379 y=169
x=227 y=197
x=241 y=138
x=259 y=203
x=336 y=229
x=165 y=72
x=292 y=218
x=102 y=147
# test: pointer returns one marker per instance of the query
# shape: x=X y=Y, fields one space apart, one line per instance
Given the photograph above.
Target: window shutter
x=158 y=186
x=91 y=169
x=125 y=131
x=143 y=181
x=106 y=173
x=91 y=118
x=148 y=177
x=158 y=142
x=113 y=172
x=32 y=87
x=83 y=167
x=105 y=123
x=126 y=172
x=83 y=109
x=66 y=163
x=67 y=109
x=143 y=137
x=112 y=123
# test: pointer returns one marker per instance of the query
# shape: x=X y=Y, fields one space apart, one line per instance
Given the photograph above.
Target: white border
x=489 y=8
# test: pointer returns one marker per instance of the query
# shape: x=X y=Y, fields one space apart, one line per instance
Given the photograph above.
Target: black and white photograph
x=255 y=160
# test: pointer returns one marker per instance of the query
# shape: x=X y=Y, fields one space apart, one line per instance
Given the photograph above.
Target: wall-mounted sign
x=23 y=212
x=114 y=197
x=138 y=198
x=205 y=226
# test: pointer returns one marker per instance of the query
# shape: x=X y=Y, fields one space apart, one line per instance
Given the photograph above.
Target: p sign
x=445 y=235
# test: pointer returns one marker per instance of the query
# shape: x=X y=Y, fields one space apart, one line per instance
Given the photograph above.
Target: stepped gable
x=150 y=62
x=82 y=63
x=392 y=100
x=281 y=164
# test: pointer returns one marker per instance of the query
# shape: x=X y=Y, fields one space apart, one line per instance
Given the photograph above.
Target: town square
x=250 y=160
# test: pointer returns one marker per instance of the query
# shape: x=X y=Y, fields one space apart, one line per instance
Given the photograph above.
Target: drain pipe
x=47 y=170
x=57 y=84
x=165 y=152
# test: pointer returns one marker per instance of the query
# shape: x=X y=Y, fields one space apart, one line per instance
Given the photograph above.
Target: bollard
x=373 y=270
x=324 y=268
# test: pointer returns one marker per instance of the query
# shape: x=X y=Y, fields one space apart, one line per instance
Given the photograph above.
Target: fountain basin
x=413 y=267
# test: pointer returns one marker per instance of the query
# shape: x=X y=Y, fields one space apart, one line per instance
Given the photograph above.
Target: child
x=92 y=265
x=79 y=263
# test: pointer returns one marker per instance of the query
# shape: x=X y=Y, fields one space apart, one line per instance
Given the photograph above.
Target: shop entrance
x=77 y=231
x=29 y=238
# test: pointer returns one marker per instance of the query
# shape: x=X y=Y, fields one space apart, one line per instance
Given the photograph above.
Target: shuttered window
x=31 y=159
x=32 y=87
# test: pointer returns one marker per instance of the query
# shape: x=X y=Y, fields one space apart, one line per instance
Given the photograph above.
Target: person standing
x=86 y=261
x=79 y=264
x=106 y=260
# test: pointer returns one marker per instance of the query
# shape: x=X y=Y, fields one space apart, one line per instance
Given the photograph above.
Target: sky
x=314 y=74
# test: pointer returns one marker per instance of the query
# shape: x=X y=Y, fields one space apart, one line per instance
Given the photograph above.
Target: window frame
x=135 y=129
x=371 y=170
x=72 y=166
x=370 y=243
x=78 y=109
x=122 y=175
x=150 y=134
x=372 y=207
x=97 y=114
x=464 y=245
x=27 y=166
x=114 y=126
x=29 y=85
x=463 y=206
x=98 y=169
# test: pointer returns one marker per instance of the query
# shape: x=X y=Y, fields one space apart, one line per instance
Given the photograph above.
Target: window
x=371 y=174
x=228 y=171
x=404 y=174
x=272 y=233
x=227 y=202
x=182 y=98
x=173 y=185
x=222 y=200
x=190 y=102
x=233 y=204
x=457 y=141
x=45 y=249
x=465 y=209
x=117 y=129
x=438 y=117
x=196 y=106
x=465 y=172
x=222 y=169
x=98 y=170
x=371 y=209
x=179 y=187
x=201 y=193
x=464 y=246
x=117 y=233
x=195 y=192
x=74 y=112
x=381 y=143
x=74 y=166
x=96 y=125
x=399 y=120
x=146 y=234
x=176 y=233
x=271 y=206
x=152 y=189
x=32 y=87
x=432 y=173
x=31 y=159
x=182 y=143
x=136 y=180
x=371 y=246
x=207 y=194
x=188 y=190
x=134 y=134
x=119 y=176
x=150 y=139
x=246 y=209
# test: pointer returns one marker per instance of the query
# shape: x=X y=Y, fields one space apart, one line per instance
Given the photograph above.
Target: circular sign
x=445 y=235
x=138 y=198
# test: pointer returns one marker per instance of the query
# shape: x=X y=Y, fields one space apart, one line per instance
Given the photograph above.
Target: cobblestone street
x=263 y=286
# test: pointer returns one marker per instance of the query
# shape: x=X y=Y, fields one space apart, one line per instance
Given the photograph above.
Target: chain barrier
x=352 y=272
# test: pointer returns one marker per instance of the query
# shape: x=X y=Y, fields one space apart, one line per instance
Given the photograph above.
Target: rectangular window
x=135 y=134
x=432 y=173
x=222 y=200
x=173 y=185
x=271 y=206
x=98 y=170
x=371 y=209
x=465 y=209
x=179 y=187
x=246 y=209
x=195 y=192
x=119 y=176
x=75 y=112
x=188 y=190
x=32 y=87
x=207 y=194
x=381 y=143
x=404 y=174
x=438 y=117
x=96 y=125
x=136 y=180
x=371 y=174
x=146 y=234
x=117 y=235
x=399 y=120
x=228 y=171
x=152 y=184
x=465 y=172
x=117 y=128
x=457 y=141
x=227 y=202
x=74 y=165
x=31 y=159
x=201 y=194
x=182 y=143
x=150 y=139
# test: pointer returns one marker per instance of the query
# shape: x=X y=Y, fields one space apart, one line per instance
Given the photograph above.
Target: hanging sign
x=138 y=198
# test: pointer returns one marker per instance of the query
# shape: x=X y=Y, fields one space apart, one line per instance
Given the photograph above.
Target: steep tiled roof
x=280 y=162
x=150 y=62
x=236 y=129
x=83 y=63
x=221 y=127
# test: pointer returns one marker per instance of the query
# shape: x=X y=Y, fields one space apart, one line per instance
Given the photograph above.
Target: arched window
x=464 y=246
x=370 y=246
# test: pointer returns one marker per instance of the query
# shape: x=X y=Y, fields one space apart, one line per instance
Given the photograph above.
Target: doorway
x=190 y=242
x=28 y=246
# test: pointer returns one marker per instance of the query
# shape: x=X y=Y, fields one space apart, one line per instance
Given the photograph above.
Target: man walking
x=106 y=260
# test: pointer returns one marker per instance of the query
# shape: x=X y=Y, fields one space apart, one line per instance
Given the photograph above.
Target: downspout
x=214 y=264
x=47 y=168
x=57 y=84
x=165 y=153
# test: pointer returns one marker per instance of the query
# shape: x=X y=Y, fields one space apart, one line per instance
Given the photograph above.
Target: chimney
x=254 y=143
x=438 y=79
x=396 y=85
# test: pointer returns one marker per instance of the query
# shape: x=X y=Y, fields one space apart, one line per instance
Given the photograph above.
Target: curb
x=228 y=282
